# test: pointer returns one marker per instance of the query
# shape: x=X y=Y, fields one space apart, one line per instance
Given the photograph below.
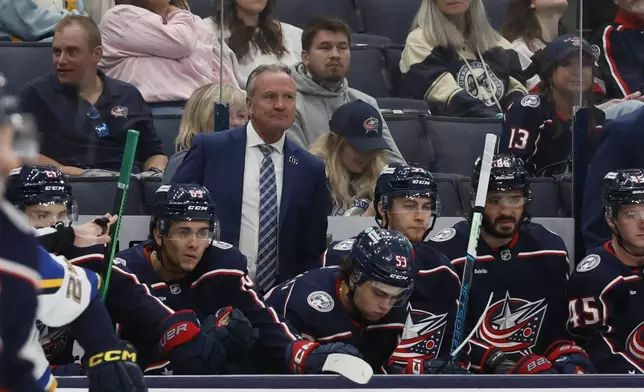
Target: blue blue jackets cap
x=562 y=46
x=361 y=124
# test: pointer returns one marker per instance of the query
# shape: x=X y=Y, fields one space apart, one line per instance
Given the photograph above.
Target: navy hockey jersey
x=621 y=60
x=19 y=285
x=606 y=316
x=428 y=326
x=460 y=83
x=219 y=280
x=528 y=278
x=311 y=303
x=536 y=133
x=129 y=303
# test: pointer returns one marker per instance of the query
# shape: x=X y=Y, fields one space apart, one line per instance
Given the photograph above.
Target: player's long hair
x=199 y=112
x=440 y=31
x=344 y=186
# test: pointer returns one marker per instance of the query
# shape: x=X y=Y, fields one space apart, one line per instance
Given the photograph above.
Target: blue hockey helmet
x=183 y=202
x=405 y=181
x=507 y=173
x=622 y=187
x=40 y=185
x=385 y=256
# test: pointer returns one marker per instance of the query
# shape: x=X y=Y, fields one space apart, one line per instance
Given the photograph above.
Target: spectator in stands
x=254 y=36
x=354 y=155
x=621 y=148
x=256 y=174
x=538 y=128
x=199 y=117
x=162 y=49
x=529 y=26
x=455 y=61
x=321 y=83
x=34 y=20
x=82 y=115
x=622 y=59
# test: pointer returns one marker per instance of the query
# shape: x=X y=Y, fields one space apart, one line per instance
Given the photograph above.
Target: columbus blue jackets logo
x=635 y=342
x=474 y=79
x=513 y=324
x=422 y=337
x=371 y=125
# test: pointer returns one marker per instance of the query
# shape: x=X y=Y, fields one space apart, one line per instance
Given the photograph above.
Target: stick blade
x=353 y=368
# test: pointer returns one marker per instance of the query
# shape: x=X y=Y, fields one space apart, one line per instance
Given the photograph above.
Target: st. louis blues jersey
x=129 y=303
x=536 y=133
x=528 y=280
x=19 y=284
x=428 y=327
x=219 y=280
x=606 y=316
x=311 y=303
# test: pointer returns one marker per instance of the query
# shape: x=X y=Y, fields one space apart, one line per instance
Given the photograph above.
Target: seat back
x=22 y=62
x=449 y=194
x=496 y=11
x=411 y=139
x=565 y=193
x=95 y=195
x=459 y=141
x=546 y=202
x=300 y=12
x=201 y=8
x=402 y=104
x=167 y=128
x=392 y=62
x=391 y=18
x=359 y=39
x=148 y=187
x=367 y=72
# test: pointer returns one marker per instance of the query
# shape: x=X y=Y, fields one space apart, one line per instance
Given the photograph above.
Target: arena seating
x=565 y=190
x=390 y=18
x=368 y=72
x=203 y=8
x=449 y=194
x=410 y=136
x=167 y=127
x=95 y=195
x=496 y=11
x=300 y=12
x=22 y=62
x=369 y=39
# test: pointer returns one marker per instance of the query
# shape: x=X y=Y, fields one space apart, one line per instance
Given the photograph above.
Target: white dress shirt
x=249 y=228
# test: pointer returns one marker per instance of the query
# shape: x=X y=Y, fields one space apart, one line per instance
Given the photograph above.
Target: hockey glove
x=233 y=330
x=568 y=358
x=427 y=366
x=495 y=361
x=115 y=371
x=305 y=357
x=189 y=350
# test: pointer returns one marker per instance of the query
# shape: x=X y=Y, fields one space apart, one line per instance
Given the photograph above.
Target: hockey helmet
x=385 y=256
x=183 y=202
x=622 y=187
x=40 y=185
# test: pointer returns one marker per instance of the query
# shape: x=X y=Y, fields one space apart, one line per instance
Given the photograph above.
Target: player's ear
x=381 y=211
x=157 y=236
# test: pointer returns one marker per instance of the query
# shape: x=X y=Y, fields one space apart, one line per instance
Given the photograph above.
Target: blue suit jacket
x=216 y=161
x=620 y=148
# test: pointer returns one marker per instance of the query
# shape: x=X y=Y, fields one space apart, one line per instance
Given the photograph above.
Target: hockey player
x=538 y=127
x=406 y=199
x=525 y=267
x=187 y=268
x=363 y=302
x=606 y=291
x=44 y=195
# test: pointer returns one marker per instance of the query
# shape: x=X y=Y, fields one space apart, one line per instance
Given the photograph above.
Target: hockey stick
x=475 y=229
x=350 y=367
x=119 y=206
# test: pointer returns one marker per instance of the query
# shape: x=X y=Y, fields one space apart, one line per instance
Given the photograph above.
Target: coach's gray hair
x=440 y=31
x=277 y=68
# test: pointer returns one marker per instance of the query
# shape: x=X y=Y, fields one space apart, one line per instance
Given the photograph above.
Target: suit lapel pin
x=292 y=160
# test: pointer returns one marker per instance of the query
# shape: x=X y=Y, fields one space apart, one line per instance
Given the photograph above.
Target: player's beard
x=490 y=226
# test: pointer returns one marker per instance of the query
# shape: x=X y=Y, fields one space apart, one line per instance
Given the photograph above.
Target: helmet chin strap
x=620 y=240
x=358 y=315
x=159 y=253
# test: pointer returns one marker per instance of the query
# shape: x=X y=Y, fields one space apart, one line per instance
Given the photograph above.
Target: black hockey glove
x=115 y=371
x=305 y=357
x=233 y=330
x=568 y=358
x=426 y=366
x=495 y=362
x=189 y=350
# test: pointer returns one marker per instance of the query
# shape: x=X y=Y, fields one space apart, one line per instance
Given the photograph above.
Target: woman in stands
x=530 y=25
x=354 y=155
x=255 y=37
x=538 y=128
x=455 y=61
x=162 y=49
x=34 y=20
x=199 y=117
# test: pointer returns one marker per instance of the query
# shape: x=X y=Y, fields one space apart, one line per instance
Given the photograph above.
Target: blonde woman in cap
x=354 y=153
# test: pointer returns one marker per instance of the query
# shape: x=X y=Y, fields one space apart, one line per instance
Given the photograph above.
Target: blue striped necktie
x=268 y=215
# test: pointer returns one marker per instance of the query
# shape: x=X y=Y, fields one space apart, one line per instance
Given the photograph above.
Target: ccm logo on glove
x=302 y=352
x=111 y=356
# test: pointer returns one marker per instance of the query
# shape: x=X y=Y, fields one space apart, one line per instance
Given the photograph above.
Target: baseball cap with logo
x=564 y=45
x=361 y=124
